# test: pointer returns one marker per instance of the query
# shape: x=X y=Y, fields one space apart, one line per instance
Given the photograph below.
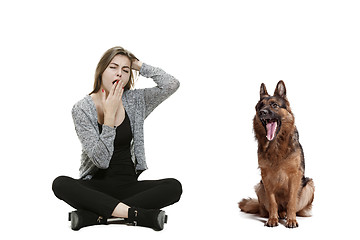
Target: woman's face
x=118 y=69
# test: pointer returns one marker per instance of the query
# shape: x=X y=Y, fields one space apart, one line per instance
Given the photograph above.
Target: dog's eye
x=274 y=105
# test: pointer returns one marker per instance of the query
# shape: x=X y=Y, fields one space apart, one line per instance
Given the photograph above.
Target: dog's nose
x=263 y=112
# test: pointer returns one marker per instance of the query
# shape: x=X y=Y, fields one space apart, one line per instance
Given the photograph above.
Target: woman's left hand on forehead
x=136 y=65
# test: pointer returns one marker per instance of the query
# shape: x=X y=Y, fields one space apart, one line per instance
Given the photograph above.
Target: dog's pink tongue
x=271 y=129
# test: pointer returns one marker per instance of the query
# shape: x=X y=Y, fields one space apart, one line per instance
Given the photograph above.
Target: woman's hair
x=104 y=63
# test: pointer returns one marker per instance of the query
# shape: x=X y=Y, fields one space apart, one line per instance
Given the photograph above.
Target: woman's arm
x=99 y=148
x=166 y=85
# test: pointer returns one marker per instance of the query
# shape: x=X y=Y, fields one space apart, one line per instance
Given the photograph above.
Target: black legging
x=102 y=196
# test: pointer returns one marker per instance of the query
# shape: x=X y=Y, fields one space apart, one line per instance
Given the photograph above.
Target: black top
x=121 y=166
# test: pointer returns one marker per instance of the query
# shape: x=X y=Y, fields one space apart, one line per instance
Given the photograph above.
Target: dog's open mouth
x=271 y=126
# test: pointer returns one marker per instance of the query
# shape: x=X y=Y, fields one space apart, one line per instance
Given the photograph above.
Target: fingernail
x=102 y=90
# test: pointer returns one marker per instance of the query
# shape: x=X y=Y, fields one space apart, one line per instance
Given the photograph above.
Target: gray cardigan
x=97 y=149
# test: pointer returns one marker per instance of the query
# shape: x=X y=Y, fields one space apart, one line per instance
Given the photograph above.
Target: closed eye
x=126 y=69
x=113 y=65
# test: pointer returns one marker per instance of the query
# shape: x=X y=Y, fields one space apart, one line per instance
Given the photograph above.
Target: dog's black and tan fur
x=283 y=191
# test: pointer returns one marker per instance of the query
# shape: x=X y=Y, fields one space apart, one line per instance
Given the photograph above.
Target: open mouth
x=271 y=126
x=114 y=81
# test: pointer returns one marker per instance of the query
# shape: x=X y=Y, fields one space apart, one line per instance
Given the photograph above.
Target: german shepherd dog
x=283 y=191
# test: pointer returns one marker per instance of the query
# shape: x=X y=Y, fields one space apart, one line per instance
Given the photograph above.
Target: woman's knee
x=60 y=184
x=175 y=186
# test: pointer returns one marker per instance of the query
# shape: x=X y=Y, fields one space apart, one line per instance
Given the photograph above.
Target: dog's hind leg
x=255 y=206
x=305 y=199
x=282 y=214
x=263 y=202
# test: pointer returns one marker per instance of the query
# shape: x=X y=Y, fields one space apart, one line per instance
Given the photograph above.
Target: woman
x=109 y=123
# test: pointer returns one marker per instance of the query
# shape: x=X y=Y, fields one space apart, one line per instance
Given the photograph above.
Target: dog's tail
x=249 y=205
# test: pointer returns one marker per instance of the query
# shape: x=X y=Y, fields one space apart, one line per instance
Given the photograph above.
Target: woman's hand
x=112 y=102
x=136 y=65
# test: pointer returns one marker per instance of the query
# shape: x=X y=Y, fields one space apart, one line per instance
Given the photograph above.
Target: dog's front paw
x=272 y=222
x=291 y=223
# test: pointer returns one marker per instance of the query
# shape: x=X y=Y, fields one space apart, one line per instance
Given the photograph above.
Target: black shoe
x=154 y=219
x=83 y=218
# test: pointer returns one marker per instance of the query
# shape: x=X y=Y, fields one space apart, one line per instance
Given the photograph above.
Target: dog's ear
x=280 y=89
x=263 y=91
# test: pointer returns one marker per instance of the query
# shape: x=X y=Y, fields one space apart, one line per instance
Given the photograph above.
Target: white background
x=202 y=135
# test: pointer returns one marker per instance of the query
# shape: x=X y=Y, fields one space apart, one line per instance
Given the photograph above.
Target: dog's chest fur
x=277 y=172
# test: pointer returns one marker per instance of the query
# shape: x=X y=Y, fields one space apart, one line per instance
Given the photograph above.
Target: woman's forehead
x=121 y=60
